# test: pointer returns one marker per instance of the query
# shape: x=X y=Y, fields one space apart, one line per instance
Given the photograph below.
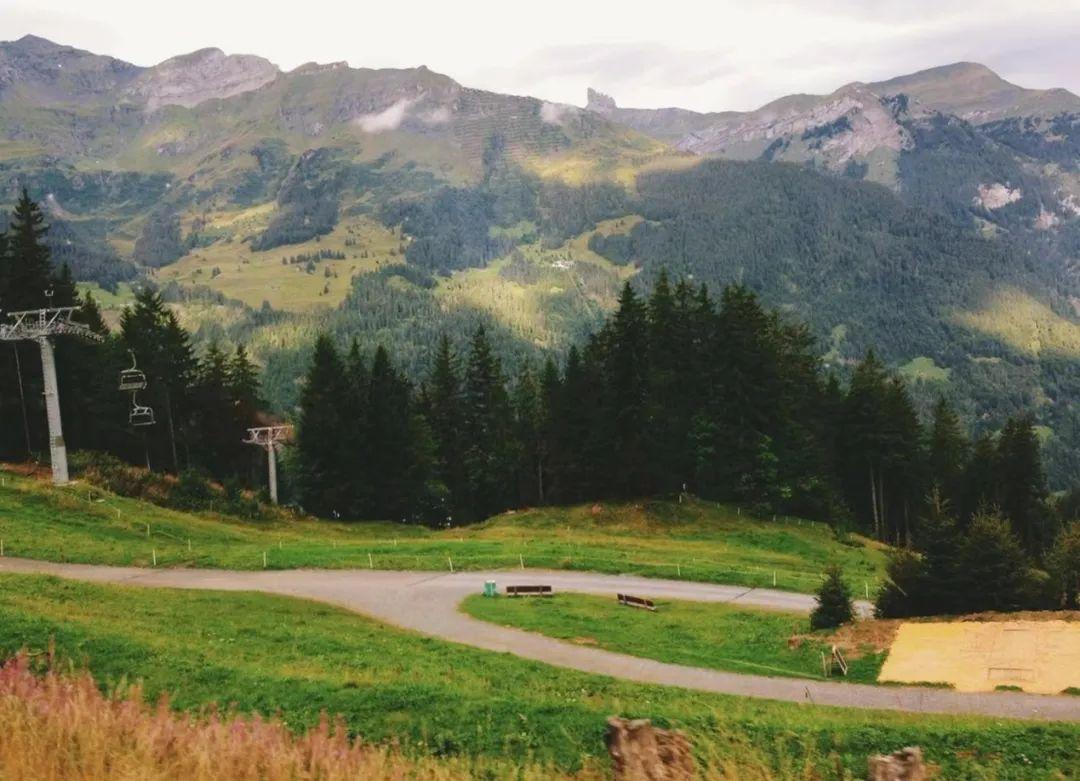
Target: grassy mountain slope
x=696 y=540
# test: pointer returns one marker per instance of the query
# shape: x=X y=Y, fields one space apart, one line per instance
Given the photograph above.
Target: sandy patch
x=1036 y=656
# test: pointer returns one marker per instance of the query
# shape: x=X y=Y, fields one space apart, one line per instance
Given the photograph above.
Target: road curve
x=428 y=603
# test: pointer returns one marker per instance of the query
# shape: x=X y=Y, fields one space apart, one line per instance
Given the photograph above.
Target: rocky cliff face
x=190 y=79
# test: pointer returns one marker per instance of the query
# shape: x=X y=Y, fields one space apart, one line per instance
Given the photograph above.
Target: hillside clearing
x=693 y=541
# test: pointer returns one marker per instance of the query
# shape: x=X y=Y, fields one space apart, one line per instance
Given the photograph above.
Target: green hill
x=696 y=541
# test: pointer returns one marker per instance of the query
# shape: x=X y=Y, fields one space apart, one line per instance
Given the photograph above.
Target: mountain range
x=934 y=217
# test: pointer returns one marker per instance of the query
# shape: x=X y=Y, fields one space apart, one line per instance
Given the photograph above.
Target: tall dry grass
x=60 y=727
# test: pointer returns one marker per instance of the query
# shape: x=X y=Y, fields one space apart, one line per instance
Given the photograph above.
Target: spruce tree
x=395 y=466
x=834 y=606
x=1020 y=483
x=29 y=273
x=487 y=433
x=163 y=351
x=322 y=474
x=979 y=480
x=626 y=396
x=445 y=418
x=1063 y=562
x=528 y=421
x=994 y=569
x=947 y=453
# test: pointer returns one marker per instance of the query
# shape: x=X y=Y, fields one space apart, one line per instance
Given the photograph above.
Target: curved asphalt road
x=427 y=603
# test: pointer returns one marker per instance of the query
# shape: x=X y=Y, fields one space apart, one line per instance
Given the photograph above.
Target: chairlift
x=132 y=379
x=141 y=415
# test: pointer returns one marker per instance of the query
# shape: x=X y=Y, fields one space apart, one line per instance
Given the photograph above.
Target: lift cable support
x=40 y=325
x=269 y=437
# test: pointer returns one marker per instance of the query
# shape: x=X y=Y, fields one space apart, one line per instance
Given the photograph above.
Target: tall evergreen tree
x=323 y=474
x=163 y=351
x=994 y=570
x=626 y=395
x=28 y=271
x=397 y=464
x=947 y=453
x=445 y=417
x=1021 y=484
x=487 y=451
x=528 y=424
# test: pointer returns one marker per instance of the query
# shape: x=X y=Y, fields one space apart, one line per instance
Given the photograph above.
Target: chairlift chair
x=132 y=379
x=141 y=415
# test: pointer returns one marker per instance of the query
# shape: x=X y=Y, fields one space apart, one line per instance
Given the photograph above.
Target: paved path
x=427 y=603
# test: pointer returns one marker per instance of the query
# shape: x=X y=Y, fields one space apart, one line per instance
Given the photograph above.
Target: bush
x=834 y=605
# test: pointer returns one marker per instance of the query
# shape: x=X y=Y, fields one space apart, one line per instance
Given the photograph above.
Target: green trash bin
x=489 y=588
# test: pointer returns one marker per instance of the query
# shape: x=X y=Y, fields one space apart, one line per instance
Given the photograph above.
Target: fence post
x=370 y=562
x=147 y=529
x=451 y=564
x=521 y=560
x=774 y=578
x=155 y=556
x=678 y=569
x=1 y=549
x=264 y=559
x=189 y=545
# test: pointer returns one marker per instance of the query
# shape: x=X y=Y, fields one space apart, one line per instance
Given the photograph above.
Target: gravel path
x=427 y=603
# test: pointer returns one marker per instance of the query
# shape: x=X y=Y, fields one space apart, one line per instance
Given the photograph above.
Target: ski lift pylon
x=132 y=379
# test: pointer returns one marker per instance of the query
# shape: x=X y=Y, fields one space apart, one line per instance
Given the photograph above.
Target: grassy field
x=700 y=634
x=695 y=541
x=279 y=656
x=231 y=267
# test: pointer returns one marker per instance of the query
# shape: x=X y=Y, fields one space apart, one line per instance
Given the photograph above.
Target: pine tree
x=863 y=444
x=528 y=421
x=487 y=428
x=947 y=453
x=216 y=427
x=626 y=393
x=1063 y=562
x=979 y=481
x=994 y=570
x=395 y=467
x=243 y=385
x=322 y=474
x=163 y=350
x=834 y=606
x=445 y=418
x=905 y=576
x=29 y=273
x=1020 y=483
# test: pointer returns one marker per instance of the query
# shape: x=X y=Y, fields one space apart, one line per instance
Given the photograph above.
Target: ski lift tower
x=40 y=325
x=269 y=437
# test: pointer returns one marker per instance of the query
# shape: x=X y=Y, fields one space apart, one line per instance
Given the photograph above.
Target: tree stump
x=903 y=765
x=641 y=752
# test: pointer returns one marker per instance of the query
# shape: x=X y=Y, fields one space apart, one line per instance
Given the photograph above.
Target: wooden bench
x=644 y=604
x=528 y=591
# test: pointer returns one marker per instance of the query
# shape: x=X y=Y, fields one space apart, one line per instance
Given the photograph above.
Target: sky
x=710 y=56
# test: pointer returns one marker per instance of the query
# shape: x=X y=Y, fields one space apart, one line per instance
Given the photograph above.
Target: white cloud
x=387 y=119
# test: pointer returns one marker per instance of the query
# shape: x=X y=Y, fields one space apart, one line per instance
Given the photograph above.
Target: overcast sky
x=713 y=55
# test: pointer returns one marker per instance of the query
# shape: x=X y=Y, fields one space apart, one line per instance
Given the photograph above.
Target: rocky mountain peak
x=598 y=101
x=51 y=72
x=190 y=79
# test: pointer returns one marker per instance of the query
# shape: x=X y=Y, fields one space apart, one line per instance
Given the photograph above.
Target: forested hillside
x=392 y=206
